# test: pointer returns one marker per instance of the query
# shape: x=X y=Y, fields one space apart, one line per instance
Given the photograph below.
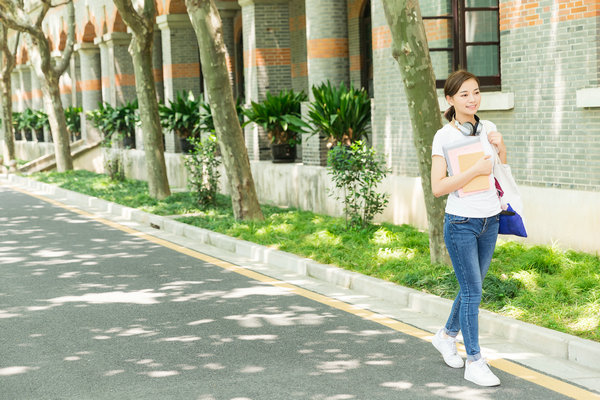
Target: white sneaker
x=479 y=373
x=446 y=345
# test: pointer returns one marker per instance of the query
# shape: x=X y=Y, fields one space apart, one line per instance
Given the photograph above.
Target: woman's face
x=466 y=101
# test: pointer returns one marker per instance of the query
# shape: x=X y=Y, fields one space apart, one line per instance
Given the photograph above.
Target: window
x=464 y=34
x=366 y=48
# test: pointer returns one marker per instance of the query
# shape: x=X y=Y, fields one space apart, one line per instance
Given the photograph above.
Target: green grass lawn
x=543 y=285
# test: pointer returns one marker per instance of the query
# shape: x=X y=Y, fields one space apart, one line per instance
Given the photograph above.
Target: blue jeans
x=470 y=243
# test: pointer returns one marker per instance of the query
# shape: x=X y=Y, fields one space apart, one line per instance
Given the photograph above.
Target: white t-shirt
x=478 y=205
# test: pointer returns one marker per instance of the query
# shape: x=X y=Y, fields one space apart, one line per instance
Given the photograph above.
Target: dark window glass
x=464 y=34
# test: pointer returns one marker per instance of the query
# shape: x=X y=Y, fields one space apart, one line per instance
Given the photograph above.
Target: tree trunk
x=56 y=118
x=158 y=183
x=8 y=64
x=47 y=71
x=140 y=48
x=8 y=149
x=208 y=26
x=409 y=48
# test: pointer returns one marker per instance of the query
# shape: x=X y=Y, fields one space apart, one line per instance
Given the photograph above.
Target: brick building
x=539 y=62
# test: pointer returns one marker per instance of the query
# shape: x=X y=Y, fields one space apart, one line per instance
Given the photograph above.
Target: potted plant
x=26 y=122
x=38 y=121
x=116 y=123
x=73 y=119
x=16 y=121
x=341 y=114
x=182 y=116
x=280 y=116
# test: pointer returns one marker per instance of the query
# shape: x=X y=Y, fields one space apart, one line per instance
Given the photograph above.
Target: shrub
x=357 y=171
x=203 y=167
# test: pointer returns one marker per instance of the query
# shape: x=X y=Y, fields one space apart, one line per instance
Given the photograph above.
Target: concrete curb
x=543 y=340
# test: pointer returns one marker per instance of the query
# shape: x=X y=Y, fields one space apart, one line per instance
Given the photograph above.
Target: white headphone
x=468 y=129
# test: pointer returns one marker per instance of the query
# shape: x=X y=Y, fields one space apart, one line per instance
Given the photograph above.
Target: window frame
x=365 y=33
x=460 y=44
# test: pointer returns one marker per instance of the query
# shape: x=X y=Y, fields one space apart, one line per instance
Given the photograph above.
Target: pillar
x=23 y=87
x=89 y=85
x=180 y=63
x=327 y=60
x=118 y=77
x=267 y=61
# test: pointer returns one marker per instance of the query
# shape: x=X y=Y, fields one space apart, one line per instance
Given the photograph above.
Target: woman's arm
x=442 y=184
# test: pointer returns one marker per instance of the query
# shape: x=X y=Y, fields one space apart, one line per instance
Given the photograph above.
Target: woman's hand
x=483 y=166
x=496 y=139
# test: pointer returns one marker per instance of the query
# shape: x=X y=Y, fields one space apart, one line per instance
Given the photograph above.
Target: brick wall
x=549 y=49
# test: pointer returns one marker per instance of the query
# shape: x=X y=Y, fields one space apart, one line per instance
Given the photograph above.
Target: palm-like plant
x=280 y=116
x=182 y=116
x=116 y=122
x=73 y=120
x=342 y=114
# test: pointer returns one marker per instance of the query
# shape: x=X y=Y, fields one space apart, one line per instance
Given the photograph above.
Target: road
x=91 y=311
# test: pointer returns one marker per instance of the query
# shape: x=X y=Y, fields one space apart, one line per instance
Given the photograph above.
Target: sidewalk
x=564 y=356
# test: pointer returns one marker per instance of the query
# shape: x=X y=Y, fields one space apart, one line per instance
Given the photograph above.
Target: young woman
x=471 y=221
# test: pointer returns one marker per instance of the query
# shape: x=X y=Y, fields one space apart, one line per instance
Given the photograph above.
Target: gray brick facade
x=546 y=57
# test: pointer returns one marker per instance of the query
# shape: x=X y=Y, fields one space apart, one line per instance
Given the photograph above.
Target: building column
x=118 y=77
x=23 y=86
x=228 y=12
x=327 y=58
x=180 y=64
x=65 y=82
x=89 y=85
x=267 y=61
x=37 y=102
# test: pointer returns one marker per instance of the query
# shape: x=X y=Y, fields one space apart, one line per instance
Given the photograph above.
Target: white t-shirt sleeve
x=436 y=147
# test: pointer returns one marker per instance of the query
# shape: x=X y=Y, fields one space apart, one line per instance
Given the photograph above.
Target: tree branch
x=132 y=18
x=64 y=62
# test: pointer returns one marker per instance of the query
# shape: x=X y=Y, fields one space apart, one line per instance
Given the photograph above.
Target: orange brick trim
x=355 y=63
x=299 y=69
x=298 y=23
x=567 y=10
x=354 y=8
x=158 y=74
x=382 y=37
x=36 y=94
x=267 y=57
x=437 y=29
x=523 y=13
x=89 y=85
x=105 y=82
x=518 y=14
x=65 y=89
x=229 y=63
x=125 y=80
x=327 y=48
x=24 y=95
x=174 y=71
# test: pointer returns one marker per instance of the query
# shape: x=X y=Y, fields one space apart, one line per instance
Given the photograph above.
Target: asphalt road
x=88 y=311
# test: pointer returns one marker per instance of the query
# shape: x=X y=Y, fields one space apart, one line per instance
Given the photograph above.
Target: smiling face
x=466 y=101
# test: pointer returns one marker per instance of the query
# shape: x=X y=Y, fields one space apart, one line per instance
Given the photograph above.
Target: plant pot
x=39 y=135
x=129 y=142
x=283 y=153
x=186 y=147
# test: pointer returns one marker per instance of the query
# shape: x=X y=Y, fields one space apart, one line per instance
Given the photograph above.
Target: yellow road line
x=507 y=366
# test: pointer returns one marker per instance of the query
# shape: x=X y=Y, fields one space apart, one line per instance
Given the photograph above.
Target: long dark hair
x=452 y=86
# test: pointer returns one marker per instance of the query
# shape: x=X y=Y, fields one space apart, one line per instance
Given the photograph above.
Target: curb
x=546 y=341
